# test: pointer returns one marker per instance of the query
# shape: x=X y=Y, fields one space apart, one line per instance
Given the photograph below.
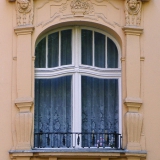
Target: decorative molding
x=33 y=58
x=70 y=10
x=133 y=104
x=133 y=120
x=134 y=129
x=142 y=58
x=132 y=30
x=24 y=12
x=23 y=130
x=24 y=104
x=14 y=58
x=123 y=59
x=97 y=72
x=21 y=30
x=81 y=7
x=63 y=8
x=133 y=12
x=23 y=123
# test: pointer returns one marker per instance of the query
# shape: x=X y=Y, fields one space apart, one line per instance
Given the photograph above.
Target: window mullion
x=106 y=65
x=76 y=46
x=76 y=107
x=120 y=104
x=93 y=48
x=47 y=51
x=59 y=48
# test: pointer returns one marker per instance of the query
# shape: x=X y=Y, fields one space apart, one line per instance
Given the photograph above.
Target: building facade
x=79 y=79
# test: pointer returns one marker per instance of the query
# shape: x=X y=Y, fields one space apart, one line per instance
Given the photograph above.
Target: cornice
x=27 y=29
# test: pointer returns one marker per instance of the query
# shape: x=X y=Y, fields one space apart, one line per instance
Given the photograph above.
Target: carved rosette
x=81 y=7
x=24 y=12
x=133 y=12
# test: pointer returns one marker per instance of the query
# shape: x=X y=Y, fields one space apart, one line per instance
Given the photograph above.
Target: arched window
x=77 y=89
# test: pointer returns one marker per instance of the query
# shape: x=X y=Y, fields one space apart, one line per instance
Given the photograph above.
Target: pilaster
x=133 y=101
x=24 y=101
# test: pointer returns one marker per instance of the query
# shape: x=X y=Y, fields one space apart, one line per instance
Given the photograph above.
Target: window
x=77 y=89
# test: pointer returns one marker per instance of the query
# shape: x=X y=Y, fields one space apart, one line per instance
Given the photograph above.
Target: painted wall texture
x=133 y=24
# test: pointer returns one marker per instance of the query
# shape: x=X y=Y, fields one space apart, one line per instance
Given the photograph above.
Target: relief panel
x=94 y=10
x=24 y=12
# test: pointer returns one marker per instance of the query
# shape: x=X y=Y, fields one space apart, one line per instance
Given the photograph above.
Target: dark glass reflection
x=99 y=42
x=40 y=53
x=66 y=47
x=53 y=50
x=86 y=47
x=112 y=54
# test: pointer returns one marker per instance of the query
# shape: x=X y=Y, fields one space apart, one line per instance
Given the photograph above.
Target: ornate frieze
x=81 y=7
x=24 y=12
x=133 y=12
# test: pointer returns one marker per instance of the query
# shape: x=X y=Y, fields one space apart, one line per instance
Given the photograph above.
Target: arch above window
x=92 y=47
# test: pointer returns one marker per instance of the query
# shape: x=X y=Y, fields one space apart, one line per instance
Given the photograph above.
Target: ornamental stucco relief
x=81 y=7
x=133 y=12
x=56 y=11
x=24 y=12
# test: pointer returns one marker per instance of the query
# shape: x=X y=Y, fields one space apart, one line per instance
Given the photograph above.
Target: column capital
x=133 y=104
x=132 y=30
x=22 y=30
x=24 y=104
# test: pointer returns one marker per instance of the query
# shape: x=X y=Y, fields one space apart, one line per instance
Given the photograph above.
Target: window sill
x=78 y=153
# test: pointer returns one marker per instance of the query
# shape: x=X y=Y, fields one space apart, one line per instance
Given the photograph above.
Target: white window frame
x=76 y=70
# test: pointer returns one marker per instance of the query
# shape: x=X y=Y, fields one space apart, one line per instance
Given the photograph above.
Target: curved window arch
x=77 y=89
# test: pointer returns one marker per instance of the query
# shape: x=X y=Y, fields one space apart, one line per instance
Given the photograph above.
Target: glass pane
x=86 y=42
x=99 y=107
x=40 y=54
x=53 y=50
x=52 y=111
x=112 y=54
x=99 y=42
x=66 y=47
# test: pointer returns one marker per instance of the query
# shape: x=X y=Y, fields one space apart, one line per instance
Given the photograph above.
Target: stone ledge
x=78 y=152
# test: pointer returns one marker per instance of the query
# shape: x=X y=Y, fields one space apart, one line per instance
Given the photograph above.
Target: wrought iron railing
x=77 y=140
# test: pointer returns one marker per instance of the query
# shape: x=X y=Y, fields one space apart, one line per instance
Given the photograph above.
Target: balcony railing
x=77 y=140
